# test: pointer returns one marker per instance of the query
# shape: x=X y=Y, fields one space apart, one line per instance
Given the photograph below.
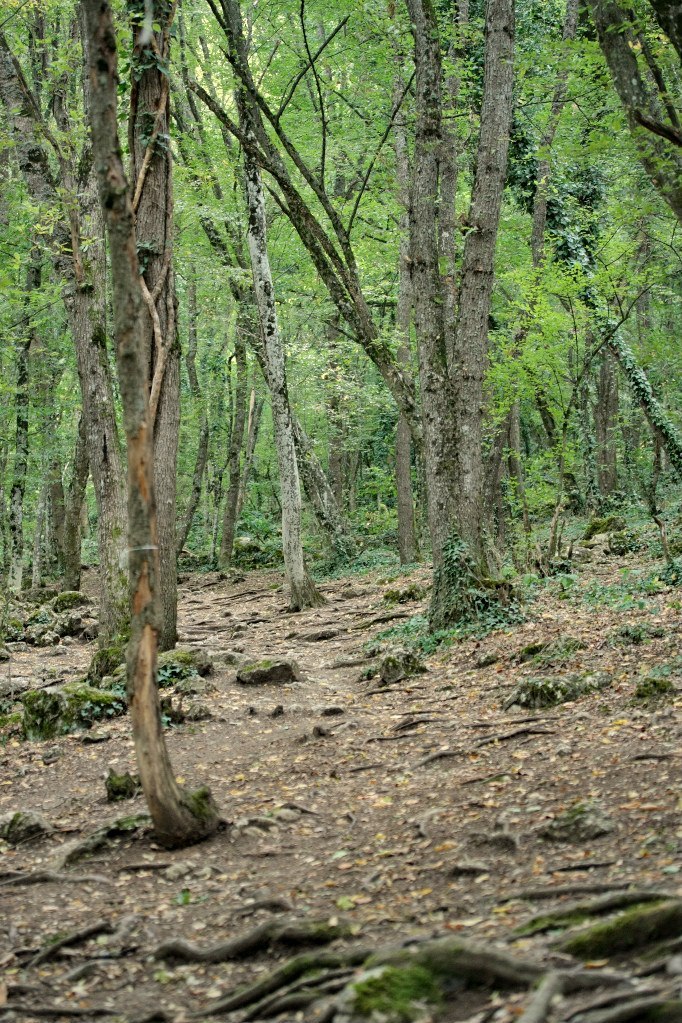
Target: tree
x=179 y=817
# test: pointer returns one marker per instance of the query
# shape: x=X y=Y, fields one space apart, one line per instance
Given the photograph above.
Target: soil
x=336 y=802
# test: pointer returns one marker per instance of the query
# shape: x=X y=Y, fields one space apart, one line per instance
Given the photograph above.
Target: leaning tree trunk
x=179 y=817
x=478 y=267
x=152 y=201
x=302 y=590
x=73 y=504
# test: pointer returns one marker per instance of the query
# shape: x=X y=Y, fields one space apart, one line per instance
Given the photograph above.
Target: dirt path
x=405 y=811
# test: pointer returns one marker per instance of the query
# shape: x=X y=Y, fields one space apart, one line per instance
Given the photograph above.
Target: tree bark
x=197 y=398
x=302 y=590
x=245 y=325
x=179 y=817
x=152 y=201
x=606 y=421
x=73 y=505
x=478 y=267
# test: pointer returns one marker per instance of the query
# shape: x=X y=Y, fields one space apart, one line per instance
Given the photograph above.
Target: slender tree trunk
x=255 y=413
x=303 y=592
x=197 y=398
x=407 y=535
x=516 y=463
x=57 y=515
x=18 y=488
x=606 y=419
x=73 y=505
x=38 y=538
x=179 y=817
x=245 y=325
x=471 y=342
x=149 y=128
x=320 y=493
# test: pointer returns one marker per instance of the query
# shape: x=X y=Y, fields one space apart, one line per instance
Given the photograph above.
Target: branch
x=304 y=71
x=665 y=131
x=318 y=87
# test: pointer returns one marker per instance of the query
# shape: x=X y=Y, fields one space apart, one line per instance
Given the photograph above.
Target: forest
x=340 y=510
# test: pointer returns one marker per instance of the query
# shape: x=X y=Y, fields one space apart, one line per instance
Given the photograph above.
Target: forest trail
x=403 y=811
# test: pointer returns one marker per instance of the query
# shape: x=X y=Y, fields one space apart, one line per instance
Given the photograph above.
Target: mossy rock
x=39 y=594
x=654 y=689
x=23 y=826
x=604 y=524
x=548 y=654
x=68 y=600
x=14 y=630
x=634 y=928
x=105 y=662
x=56 y=711
x=269 y=671
x=121 y=786
x=404 y=594
x=624 y=541
x=638 y=632
x=391 y=994
x=178 y=665
x=582 y=822
x=399 y=663
x=4 y=653
x=535 y=693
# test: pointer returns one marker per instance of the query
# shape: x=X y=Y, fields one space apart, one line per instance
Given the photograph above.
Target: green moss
x=652 y=689
x=666 y=1012
x=51 y=712
x=552 y=921
x=67 y=600
x=549 y=692
x=121 y=786
x=200 y=803
x=606 y=524
x=179 y=665
x=634 y=928
x=105 y=662
x=404 y=594
x=396 y=993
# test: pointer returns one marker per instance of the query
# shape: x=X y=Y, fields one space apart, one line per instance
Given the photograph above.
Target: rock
x=318 y=635
x=606 y=524
x=69 y=624
x=68 y=600
x=4 y=653
x=23 y=826
x=198 y=711
x=227 y=657
x=331 y=712
x=501 y=840
x=533 y=693
x=485 y=660
x=58 y=710
x=178 y=870
x=121 y=786
x=399 y=663
x=404 y=594
x=467 y=867
x=105 y=662
x=269 y=672
x=582 y=822
x=194 y=686
x=177 y=665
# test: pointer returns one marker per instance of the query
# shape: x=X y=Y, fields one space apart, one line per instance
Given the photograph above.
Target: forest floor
x=403 y=811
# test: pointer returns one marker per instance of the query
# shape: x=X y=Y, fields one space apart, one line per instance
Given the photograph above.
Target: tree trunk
x=74 y=503
x=255 y=413
x=149 y=143
x=16 y=501
x=57 y=514
x=38 y=538
x=245 y=325
x=303 y=592
x=179 y=817
x=606 y=420
x=478 y=266
x=197 y=398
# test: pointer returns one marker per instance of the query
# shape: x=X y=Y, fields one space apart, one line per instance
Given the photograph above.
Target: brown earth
x=338 y=808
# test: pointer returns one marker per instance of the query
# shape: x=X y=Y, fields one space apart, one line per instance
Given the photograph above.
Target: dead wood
x=503 y=736
x=441 y=754
x=46 y=876
x=572 y=911
x=541 y=1002
x=287 y=934
x=644 y=1010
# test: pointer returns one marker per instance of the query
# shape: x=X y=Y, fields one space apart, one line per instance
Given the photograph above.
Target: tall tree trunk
x=407 y=535
x=437 y=393
x=478 y=266
x=197 y=398
x=39 y=537
x=152 y=201
x=302 y=590
x=320 y=493
x=253 y=425
x=18 y=488
x=57 y=514
x=245 y=325
x=179 y=817
x=605 y=421
x=73 y=505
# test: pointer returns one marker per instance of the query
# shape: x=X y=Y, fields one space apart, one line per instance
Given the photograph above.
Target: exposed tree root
x=286 y=933
x=635 y=928
x=74 y=938
x=644 y=1010
x=541 y=1002
x=48 y=1011
x=46 y=876
x=537 y=894
x=577 y=912
x=74 y=851
x=284 y=975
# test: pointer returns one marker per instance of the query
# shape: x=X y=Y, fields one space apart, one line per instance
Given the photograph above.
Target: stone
x=121 y=786
x=227 y=657
x=318 y=635
x=23 y=826
x=281 y=671
x=399 y=663
x=57 y=710
x=4 y=653
x=605 y=524
x=582 y=822
x=67 y=600
x=179 y=664
x=198 y=711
